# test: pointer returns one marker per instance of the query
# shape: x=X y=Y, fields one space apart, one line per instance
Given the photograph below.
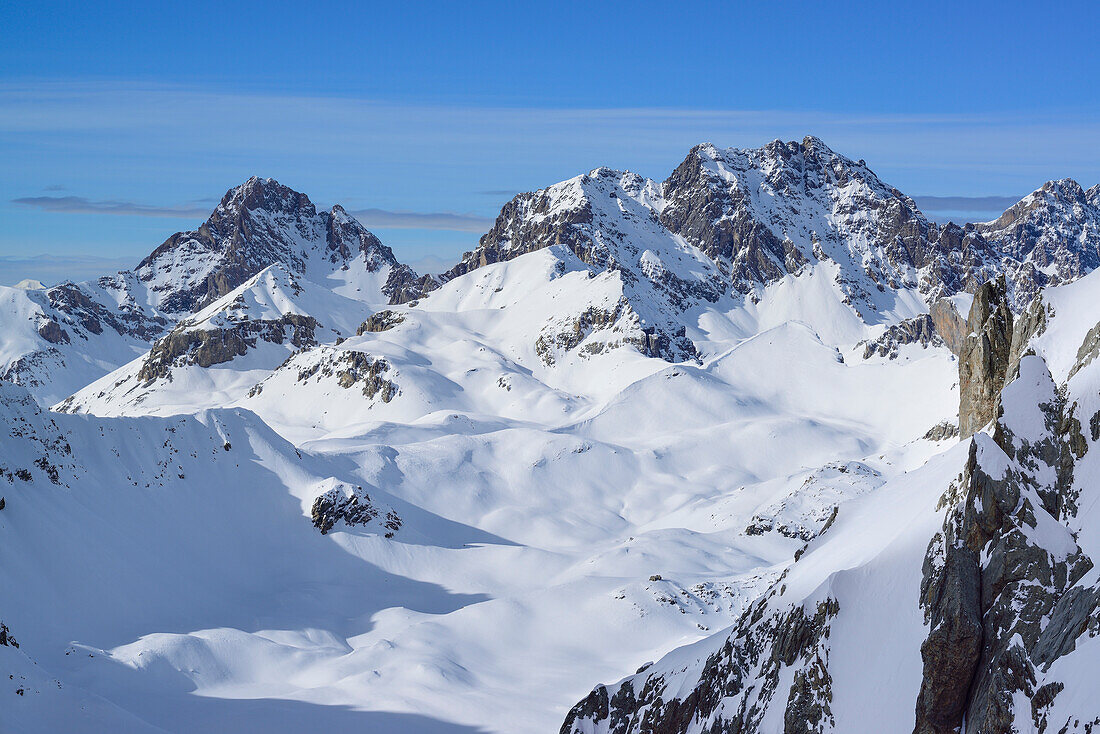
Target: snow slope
x=1015 y=504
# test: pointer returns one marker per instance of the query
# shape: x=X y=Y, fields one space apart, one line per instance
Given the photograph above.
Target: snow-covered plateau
x=758 y=448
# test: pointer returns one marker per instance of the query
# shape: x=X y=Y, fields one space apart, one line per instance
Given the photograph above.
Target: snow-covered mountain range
x=760 y=446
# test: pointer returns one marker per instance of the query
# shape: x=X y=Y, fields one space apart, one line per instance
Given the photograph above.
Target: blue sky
x=123 y=122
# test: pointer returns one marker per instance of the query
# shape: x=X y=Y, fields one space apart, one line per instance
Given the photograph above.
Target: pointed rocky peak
x=1093 y=195
x=754 y=215
x=1050 y=237
x=257 y=224
x=1053 y=195
x=347 y=238
x=984 y=356
x=268 y=195
x=763 y=213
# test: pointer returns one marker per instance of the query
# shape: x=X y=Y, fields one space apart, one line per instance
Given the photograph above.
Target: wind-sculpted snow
x=572 y=487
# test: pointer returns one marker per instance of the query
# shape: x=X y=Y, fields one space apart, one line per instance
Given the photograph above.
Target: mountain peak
x=257 y=224
x=1064 y=188
x=266 y=194
x=1052 y=234
x=812 y=142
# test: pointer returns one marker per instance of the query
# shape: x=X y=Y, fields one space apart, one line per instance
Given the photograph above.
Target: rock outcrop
x=354 y=507
x=984 y=357
x=380 y=321
x=206 y=347
x=917 y=330
x=949 y=324
x=999 y=582
x=735 y=685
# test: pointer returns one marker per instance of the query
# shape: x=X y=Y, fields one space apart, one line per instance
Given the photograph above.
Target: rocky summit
x=756 y=447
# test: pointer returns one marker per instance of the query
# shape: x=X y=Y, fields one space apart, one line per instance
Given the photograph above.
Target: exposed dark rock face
x=1088 y=351
x=257 y=225
x=52 y=332
x=404 y=285
x=530 y=222
x=92 y=316
x=1029 y=323
x=206 y=347
x=917 y=330
x=767 y=212
x=735 y=685
x=1070 y=619
x=950 y=326
x=950 y=596
x=942 y=432
x=353 y=507
x=998 y=593
x=985 y=357
x=381 y=321
x=718 y=220
x=6 y=638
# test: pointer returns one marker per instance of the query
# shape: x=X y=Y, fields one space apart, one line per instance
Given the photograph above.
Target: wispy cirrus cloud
x=382 y=219
x=128 y=143
x=52 y=269
x=81 y=205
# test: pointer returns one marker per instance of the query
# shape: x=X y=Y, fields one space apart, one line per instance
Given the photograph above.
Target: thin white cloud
x=532 y=145
x=80 y=205
x=53 y=269
x=416 y=163
x=380 y=218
